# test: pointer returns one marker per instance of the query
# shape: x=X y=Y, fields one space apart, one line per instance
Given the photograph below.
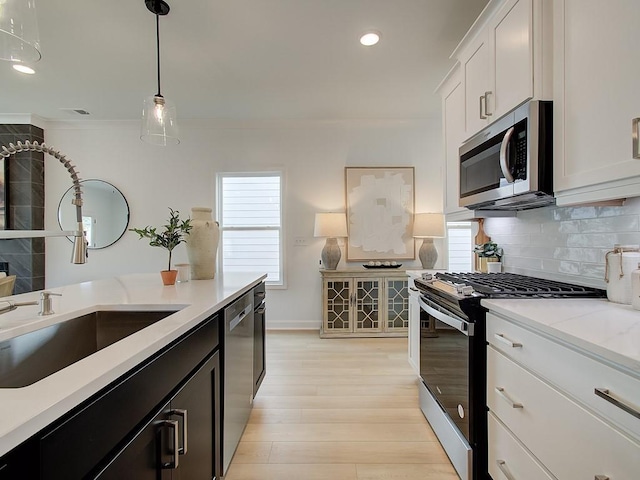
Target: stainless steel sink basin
x=33 y=356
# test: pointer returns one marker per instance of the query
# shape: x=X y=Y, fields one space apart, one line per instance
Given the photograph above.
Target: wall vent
x=76 y=111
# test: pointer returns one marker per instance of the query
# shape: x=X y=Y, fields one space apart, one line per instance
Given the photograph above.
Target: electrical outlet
x=301 y=241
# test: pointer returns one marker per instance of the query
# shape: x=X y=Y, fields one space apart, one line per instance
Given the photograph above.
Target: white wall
x=565 y=243
x=311 y=154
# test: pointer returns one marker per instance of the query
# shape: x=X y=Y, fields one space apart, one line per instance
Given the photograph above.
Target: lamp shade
x=428 y=225
x=159 y=125
x=330 y=225
x=19 y=39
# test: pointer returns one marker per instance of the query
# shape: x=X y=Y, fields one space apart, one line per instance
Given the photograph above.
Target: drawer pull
x=502 y=465
x=604 y=393
x=500 y=391
x=501 y=338
x=601 y=477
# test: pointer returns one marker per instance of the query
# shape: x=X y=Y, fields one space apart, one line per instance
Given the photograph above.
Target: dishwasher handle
x=237 y=320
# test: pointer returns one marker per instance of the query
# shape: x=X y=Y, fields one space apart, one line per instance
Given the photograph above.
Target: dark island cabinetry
x=160 y=420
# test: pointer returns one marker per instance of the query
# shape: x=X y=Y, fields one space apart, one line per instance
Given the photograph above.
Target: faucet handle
x=45 y=303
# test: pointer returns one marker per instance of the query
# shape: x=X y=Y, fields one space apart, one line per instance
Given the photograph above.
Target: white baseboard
x=293 y=324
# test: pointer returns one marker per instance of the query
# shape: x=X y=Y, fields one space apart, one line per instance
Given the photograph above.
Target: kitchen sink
x=27 y=358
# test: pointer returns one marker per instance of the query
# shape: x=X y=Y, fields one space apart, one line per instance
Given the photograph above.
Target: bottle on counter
x=635 y=288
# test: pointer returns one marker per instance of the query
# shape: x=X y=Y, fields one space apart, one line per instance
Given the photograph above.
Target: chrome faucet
x=79 y=254
x=44 y=302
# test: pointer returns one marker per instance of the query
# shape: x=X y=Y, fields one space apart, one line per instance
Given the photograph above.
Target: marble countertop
x=31 y=408
x=608 y=330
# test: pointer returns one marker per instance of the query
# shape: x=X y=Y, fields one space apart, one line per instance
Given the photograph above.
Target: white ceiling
x=241 y=59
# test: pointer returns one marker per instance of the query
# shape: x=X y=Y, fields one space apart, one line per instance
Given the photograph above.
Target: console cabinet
x=364 y=303
x=546 y=419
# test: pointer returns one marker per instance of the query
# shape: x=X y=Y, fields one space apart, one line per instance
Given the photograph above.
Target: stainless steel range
x=453 y=355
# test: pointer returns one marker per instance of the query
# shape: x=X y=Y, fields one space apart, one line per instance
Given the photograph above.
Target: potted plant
x=171 y=235
x=487 y=253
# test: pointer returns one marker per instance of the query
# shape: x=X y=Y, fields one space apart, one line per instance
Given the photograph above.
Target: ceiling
x=241 y=59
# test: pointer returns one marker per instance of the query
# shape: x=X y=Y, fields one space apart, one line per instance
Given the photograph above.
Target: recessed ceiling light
x=370 y=38
x=23 y=68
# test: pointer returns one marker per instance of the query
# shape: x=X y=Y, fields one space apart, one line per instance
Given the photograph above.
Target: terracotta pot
x=169 y=276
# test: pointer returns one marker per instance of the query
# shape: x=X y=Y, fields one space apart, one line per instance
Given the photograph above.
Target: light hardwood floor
x=338 y=409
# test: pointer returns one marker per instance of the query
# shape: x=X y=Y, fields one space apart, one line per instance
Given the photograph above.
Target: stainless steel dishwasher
x=238 y=374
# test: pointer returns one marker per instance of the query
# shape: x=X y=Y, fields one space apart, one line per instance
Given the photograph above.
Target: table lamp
x=428 y=226
x=331 y=226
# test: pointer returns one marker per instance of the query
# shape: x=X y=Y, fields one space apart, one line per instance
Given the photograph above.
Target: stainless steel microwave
x=509 y=164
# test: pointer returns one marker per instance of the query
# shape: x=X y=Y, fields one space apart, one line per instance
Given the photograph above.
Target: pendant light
x=159 y=126
x=19 y=39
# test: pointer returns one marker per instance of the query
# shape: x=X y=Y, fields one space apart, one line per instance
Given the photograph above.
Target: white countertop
x=608 y=330
x=29 y=409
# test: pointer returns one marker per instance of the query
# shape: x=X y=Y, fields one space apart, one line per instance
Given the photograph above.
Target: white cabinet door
x=477 y=85
x=596 y=71
x=512 y=67
x=453 y=121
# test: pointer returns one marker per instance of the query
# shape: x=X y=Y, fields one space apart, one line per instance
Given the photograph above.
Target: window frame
x=282 y=284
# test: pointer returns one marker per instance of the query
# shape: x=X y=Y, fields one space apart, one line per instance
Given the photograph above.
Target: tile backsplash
x=565 y=243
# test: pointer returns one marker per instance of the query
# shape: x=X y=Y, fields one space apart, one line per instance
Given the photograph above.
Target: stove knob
x=467 y=290
x=459 y=288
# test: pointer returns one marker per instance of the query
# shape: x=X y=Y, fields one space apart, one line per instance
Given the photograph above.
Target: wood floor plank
x=356 y=452
x=436 y=471
x=345 y=432
x=292 y=472
x=306 y=401
x=363 y=415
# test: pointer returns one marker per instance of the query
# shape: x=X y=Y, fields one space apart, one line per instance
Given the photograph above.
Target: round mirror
x=105 y=213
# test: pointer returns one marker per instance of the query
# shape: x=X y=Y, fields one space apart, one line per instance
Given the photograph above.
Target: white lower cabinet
x=414 y=327
x=508 y=458
x=560 y=433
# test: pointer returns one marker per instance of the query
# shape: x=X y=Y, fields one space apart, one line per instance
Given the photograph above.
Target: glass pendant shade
x=19 y=39
x=159 y=125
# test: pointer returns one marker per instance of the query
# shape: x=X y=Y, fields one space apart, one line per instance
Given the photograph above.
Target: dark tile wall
x=26 y=209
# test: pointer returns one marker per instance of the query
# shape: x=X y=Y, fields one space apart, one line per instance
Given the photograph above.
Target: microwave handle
x=504 y=163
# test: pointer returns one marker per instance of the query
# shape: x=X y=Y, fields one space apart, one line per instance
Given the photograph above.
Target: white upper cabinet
x=504 y=59
x=596 y=72
x=512 y=68
x=453 y=108
x=477 y=85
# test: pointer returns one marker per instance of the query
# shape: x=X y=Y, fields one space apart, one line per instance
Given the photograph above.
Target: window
x=460 y=246
x=250 y=215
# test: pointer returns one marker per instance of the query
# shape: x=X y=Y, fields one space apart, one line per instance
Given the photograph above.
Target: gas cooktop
x=505 y=285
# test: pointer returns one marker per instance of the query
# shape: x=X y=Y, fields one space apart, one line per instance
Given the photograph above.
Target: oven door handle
x=462 y=326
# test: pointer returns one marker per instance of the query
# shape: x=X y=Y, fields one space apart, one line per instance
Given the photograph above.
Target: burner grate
x=507 y=285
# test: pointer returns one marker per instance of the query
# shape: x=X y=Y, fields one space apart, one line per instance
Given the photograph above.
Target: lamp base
x=331 y=254
x=428 y=254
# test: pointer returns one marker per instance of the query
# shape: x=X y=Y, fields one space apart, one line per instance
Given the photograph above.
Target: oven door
x=446 y=340
x=444 y=360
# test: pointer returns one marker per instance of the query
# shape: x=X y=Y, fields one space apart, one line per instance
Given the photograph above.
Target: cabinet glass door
x=338 y=295
x=367 y=304
x=397 y=305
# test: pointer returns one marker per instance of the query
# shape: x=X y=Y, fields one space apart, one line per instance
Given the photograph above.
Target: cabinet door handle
x=500 y=391
x=501 y=338
x=486 y=108
x=182 y=413
x=606 y=394
x=173 y=425
x=483 y=100
x=601 y=477
x=502 y=465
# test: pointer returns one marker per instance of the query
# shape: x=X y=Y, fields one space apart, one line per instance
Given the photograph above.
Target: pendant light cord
x=158 y=49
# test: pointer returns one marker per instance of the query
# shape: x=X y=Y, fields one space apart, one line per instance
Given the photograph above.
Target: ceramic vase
x=202 y=244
